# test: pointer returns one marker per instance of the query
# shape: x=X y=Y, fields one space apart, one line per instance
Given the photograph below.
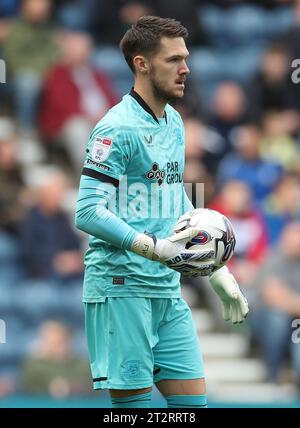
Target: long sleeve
x=94 y=217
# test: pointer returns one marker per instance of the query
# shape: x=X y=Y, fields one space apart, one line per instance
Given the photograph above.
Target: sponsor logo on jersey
x=99 y=165
x=101 y=148
x=156 y=173
x=173 y=173
x=149 y=140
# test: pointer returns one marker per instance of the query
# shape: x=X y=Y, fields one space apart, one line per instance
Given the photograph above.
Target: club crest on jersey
x=202 y=238
x=101 y=148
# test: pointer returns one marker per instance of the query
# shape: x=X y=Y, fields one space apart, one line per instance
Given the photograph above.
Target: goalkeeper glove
x=184 y=220
x=172 y=252
x=235 y=305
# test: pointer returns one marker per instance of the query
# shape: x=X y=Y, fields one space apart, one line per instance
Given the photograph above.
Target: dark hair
x=144 y=36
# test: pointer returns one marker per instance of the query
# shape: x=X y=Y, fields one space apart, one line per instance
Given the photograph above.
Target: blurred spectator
x=272 y=89
x=75 y=14
x=186 y=12
x=193 y=128
x=113 y=18
x=4 y=30
x=51 y=246
x=197 y=168
x=282 y=206
x=291 y=39
x=53 y=368
x=9 y=8
x=236 y=202
x=7 y=386
x=74 y=97
x=246 y=164
x=228 y=111
x=29 y=50
x=278 y=144
x=11 y=206
x=11 y=179
x=201 y=192
x=190 y=105
x=278 y=302
x=270 y=4
x=202 y=144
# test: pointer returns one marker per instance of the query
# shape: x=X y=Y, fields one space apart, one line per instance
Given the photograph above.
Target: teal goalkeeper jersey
x=142 y=157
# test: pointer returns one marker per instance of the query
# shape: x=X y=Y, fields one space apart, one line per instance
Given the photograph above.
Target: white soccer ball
x=215 y=233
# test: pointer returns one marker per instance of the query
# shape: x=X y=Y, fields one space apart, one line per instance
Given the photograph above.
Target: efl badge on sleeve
x=101 y=148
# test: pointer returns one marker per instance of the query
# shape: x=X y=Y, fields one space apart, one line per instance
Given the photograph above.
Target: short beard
x=159 y=92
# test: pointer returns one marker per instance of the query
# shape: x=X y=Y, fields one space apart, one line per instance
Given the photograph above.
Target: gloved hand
x=235 y=305
x=171 y=251
x=185 y=219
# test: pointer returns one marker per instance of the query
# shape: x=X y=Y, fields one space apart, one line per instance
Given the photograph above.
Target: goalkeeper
x=139 y=329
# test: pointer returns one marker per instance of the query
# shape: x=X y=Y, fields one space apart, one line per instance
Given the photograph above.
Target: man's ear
x=141 y=64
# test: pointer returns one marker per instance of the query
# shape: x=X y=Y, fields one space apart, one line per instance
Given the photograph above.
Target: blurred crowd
x=242 y=121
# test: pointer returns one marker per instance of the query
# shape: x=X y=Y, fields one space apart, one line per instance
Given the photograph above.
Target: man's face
x=168 y=69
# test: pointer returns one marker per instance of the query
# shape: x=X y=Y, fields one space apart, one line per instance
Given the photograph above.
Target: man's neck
x=157 y=106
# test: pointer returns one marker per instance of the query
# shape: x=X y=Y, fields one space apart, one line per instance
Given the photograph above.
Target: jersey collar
x=145 y=106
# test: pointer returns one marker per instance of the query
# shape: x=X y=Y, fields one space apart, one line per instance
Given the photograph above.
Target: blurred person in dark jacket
x=291 y=38
x=51 y=246
x=29 y=49
x=272 y=89
x=277 y=303
x=229 y=109
x=191 y=104
x=188 y=13
x=113 y=18
x=203 y=144
x=11 y=178
x=74 y=97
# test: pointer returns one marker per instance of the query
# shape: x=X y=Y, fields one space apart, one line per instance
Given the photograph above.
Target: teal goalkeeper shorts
x=135 y=342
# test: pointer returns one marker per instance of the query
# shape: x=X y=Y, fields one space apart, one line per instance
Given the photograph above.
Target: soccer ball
x=215 y=233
